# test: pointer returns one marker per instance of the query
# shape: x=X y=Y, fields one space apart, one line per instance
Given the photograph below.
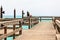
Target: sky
x=35 y=7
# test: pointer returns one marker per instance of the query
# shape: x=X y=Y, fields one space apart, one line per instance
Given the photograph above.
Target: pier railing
x=11 y=22
x=57 y=24
x=30 y=21
x=45 y=18
x=35 y=19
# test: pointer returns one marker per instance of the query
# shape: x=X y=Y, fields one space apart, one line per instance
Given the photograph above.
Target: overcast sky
x=35 y=7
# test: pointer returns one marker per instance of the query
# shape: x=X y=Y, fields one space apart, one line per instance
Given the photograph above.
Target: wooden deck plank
x=41 y=31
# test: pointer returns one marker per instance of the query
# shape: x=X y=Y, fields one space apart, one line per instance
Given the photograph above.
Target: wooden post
x=28 y=14
x=23 y=14
x=14 y=13
x=40 y=19
x=1 y=12
x=5 y=32
x=29 y=22
x=57 y=29
x=14 y=25
x=14 y=30
x=53 y=18
x=20 y=26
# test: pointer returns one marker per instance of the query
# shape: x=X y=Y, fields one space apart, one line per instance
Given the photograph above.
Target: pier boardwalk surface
x=41 y=31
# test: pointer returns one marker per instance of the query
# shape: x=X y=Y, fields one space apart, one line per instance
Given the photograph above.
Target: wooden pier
x=41 y=31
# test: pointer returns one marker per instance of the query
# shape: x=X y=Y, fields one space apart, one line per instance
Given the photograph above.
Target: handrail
x=57 y=22
x=11 y=22
x=30 y=20
x=57 y=25
x=11 y=33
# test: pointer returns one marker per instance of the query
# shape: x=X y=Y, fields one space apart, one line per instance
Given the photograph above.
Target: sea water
x=23 y=26
x=9 y=38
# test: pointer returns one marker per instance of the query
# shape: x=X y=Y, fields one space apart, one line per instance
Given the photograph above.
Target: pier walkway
x=41 y=31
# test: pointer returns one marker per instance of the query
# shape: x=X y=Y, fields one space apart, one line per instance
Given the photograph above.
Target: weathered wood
x=20 y=26
x=5 y=32
x=57 y=25
x=41 y=31
x=11 y=22
x=14 y=13
x=23 y=14
x=57 y=36
x=58 y=22
x=40 y=19
x=28 y=14
x=9 y=34
x=14 y=25
x=1 y=12
x=29 y=23
x=14 y=30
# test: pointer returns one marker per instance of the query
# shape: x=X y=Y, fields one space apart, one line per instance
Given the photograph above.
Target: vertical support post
x=57 y=29
x=14 y=13
x=37 y=20
x=1 y=12
x=53 y=18
x=28 y=14
x=23 y=14
x=14 y=25
x=14 y=30
x=29 y=22
x=55 y=25
x=5 y=32
x=40 y=19
x=20 y=26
